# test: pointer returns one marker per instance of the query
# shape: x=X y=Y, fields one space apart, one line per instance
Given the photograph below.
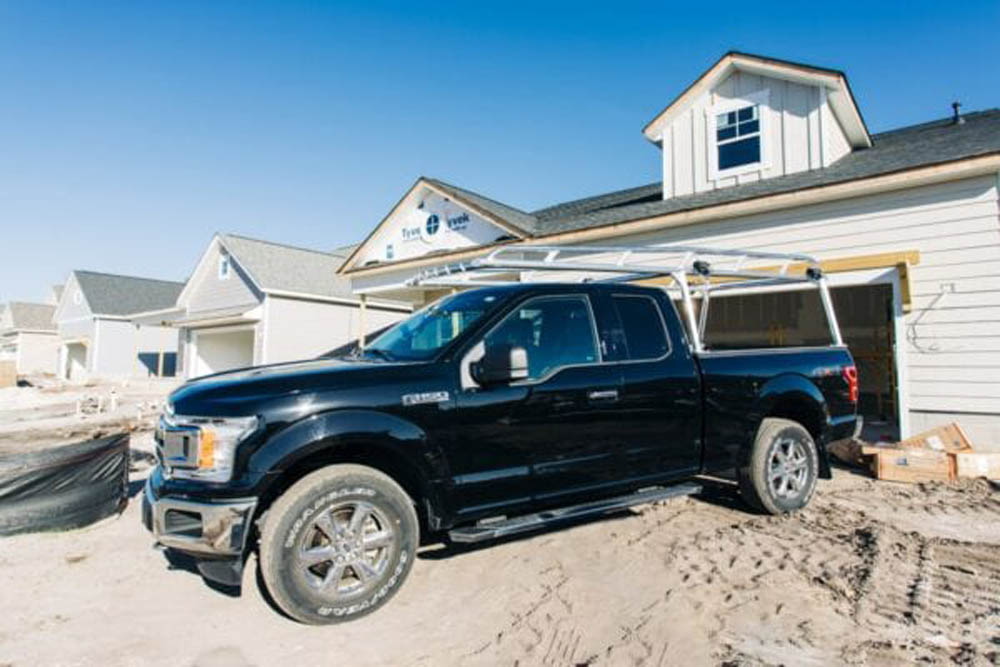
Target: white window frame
x=760 y=100
x=225 y=266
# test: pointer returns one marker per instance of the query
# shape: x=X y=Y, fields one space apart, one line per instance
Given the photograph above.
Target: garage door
x=222 y=351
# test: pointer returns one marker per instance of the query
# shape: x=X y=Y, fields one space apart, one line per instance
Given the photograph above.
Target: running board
x=490 y=530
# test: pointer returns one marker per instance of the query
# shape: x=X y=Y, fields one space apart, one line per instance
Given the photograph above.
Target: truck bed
x=742 y=387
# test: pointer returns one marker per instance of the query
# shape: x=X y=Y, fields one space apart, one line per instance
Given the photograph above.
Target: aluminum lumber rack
x=706 y=269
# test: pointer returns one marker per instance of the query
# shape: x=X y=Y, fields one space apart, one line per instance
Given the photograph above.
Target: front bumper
x=201 y=528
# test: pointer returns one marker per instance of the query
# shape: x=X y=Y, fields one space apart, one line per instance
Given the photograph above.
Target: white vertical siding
x=801 y=133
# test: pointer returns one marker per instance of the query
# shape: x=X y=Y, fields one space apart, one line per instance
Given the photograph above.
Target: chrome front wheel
x=345 y=550
x=338 y=544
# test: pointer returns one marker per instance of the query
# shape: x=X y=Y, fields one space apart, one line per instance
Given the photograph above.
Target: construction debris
x=896 y=464
x=977 y=464
x=941 y=454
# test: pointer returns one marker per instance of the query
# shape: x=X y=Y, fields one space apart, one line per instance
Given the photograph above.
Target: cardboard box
x=896 y=464
x=977 y=464
x=947 y=438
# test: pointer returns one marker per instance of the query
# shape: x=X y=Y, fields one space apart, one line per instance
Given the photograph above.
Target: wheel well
x=802 y=411
x=384 y=460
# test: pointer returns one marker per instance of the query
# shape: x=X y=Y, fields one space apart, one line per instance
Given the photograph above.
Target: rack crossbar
x=625 y=264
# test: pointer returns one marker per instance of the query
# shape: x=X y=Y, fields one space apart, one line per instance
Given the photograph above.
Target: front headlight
x=202 y=448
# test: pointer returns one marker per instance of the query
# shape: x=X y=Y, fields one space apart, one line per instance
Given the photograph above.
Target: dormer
x=748 y=118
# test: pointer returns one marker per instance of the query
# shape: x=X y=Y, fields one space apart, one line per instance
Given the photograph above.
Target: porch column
x=136 y=366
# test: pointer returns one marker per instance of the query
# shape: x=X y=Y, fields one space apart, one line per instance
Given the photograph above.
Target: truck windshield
x=423 y=335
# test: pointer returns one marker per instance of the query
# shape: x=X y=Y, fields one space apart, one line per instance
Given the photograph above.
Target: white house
x=251 y=302
x=28 y=337
x=97 y=339
x=772 y=155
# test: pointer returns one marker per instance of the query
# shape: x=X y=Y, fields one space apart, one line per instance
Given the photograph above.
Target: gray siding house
x=251 y=302
x=28 y=337
x=766 y=154
x=98 y=340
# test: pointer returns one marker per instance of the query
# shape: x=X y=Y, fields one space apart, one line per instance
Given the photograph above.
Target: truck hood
x=263 y=389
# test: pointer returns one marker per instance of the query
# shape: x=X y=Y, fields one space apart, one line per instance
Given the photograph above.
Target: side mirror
x=500 y=365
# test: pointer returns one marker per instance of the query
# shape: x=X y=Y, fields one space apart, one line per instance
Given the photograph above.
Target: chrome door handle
x=603 y=395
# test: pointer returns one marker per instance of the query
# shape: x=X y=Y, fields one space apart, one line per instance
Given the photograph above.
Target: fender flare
x=324 y=432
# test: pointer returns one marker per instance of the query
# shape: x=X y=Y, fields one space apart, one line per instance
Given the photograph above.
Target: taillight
x=850 y=374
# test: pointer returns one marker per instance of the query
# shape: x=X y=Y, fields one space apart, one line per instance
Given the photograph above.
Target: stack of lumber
x=8 y=374
x=941 y=454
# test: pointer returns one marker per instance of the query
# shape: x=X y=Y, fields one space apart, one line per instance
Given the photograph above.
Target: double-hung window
x=737 y=138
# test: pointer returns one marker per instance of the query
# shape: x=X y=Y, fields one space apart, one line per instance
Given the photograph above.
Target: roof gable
x=72 y=303
x=208 y=290
x=461 y=219
x=834 y=82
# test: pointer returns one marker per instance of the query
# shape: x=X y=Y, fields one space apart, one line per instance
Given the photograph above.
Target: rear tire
x=338 y=544
x=781 y=472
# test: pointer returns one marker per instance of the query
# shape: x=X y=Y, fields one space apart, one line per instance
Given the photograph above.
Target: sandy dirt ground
x=871 y=573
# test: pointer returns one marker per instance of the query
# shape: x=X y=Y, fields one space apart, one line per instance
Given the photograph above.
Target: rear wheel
x=338 y=544
x=780 y=474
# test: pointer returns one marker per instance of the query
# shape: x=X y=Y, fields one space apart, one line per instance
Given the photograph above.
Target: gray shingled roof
x=905 y=148
x=31 y=316
x=274 y=266
x=109 y=294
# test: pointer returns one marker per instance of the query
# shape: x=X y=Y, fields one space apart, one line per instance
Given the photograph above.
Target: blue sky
x=131 y=131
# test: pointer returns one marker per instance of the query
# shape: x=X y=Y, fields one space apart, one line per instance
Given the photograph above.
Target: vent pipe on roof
x=956 y=118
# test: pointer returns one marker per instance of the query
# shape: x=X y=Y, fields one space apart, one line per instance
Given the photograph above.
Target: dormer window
x=738 y=144
x=737 y=135
x=223 y=267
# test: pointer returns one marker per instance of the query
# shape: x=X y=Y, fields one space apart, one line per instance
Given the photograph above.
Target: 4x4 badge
x=426 y=397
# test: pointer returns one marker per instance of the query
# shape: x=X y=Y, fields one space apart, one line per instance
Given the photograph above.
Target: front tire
x=781 y=472
x=338 y=544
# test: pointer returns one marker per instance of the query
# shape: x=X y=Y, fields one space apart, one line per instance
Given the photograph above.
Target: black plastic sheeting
x=63 y=487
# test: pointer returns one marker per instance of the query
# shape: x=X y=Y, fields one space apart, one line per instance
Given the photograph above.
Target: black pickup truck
x=493 y=411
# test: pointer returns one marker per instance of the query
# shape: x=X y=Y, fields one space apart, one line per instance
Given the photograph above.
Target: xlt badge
x=425 y=397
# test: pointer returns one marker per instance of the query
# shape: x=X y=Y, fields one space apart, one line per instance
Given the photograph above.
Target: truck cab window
x=554 y=331
x=645 y=336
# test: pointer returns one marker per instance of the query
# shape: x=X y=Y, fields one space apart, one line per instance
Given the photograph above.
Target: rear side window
x=645 y=336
